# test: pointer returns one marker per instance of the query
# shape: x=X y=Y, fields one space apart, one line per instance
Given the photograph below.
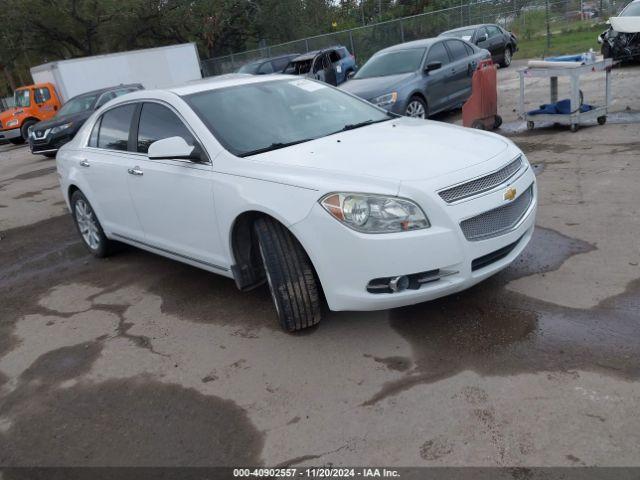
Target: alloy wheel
x=415 y=109
x=87 y=224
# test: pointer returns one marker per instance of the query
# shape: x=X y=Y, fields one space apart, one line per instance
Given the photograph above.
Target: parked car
x=621 y=41
x=419 y=210
x=47 y=137
x=500 y=42
x=331 y=65
x=268 y=65
x=32 y=104
x=419 y=78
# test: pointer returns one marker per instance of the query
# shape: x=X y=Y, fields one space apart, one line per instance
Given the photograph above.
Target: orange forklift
x=33 y=104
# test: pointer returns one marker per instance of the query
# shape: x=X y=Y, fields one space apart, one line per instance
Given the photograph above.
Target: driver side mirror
x=433 y=66
x=174 y=148
x=482 y=38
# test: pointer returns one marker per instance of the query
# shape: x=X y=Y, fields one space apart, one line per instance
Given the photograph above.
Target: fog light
x=397 y=284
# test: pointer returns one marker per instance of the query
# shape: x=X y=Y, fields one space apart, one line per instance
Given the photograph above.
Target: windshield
x=632 y=10
x=463 y=34
x=22 y=98
x=78 y=104
x=251 y=68
x=392 y=63
x=248 y=119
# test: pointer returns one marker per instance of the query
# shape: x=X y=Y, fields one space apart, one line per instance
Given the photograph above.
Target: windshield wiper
x=274 y=146
x=352 y=126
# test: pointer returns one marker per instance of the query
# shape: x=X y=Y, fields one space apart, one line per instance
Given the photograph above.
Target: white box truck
x=152 y=67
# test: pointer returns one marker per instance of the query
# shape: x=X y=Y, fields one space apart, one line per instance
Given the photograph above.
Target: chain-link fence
x=526 y=18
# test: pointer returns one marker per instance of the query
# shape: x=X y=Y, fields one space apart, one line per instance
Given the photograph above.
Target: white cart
x=573 y=119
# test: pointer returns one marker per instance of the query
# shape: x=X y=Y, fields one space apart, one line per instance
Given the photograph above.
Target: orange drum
x=481 y=110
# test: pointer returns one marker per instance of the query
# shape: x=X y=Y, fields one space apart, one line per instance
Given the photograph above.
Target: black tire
x=478 y=125
x=530 y=125
x=497 y=122
x=606 y=51
x=17 y=140
x=103 y=245
x=290 y=275
x=602 y=120
x=24 y=130
x=416 y=99
x=50 y=154
x=506 y=58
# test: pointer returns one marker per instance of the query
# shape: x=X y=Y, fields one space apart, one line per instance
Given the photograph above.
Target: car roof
x=108 y=89
x=470 y=27
x=314 y=53
x=268 y=59
x=221 y=81
x=422 y=43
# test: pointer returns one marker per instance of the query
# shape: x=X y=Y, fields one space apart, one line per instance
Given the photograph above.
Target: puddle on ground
x=492 y=331
x=133 y=422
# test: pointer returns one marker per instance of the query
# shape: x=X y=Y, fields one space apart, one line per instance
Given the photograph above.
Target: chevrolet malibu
x=293 y=183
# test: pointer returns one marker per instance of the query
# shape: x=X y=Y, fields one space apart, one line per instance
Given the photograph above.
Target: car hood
x=369 y=88
x=400 y=150
x=625 y=24
x=75 y=118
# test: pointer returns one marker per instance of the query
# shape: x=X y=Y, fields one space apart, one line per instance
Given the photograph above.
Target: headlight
x=12 y=123
x=59 y=128
x=375 y=213
x=386 y=100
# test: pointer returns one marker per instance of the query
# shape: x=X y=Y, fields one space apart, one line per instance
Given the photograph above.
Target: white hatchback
x=295 y=183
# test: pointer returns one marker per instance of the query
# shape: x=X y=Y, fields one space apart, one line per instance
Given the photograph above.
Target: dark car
x=501 y=43
x=419 y=78
x=332 y=65
x=621 y=41
x=47 y=137
x=268 y=65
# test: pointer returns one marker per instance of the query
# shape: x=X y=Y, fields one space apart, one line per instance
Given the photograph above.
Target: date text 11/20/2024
x=315 y=473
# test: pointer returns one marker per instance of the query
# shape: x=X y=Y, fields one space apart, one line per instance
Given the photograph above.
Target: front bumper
x=48 y=143
x=346 y=261
x=10 y=134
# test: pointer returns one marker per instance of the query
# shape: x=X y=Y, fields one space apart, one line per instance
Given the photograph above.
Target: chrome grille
x=497 y=221
x=482 y=184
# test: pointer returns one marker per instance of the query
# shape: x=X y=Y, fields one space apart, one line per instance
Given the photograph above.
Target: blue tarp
x=562 y=107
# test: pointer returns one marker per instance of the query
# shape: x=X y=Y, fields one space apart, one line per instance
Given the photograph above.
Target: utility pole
x=546 y=5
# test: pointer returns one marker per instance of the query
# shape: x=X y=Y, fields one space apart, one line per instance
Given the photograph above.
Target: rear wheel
x=506 y=59
x=294 y=288
x=88 y=225
x=416 y=108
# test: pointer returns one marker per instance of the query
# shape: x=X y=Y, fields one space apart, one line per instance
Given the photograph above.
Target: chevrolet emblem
x=510 y=194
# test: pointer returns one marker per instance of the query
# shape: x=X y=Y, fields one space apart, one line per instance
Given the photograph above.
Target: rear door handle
x=135 y=171
x=85 y=163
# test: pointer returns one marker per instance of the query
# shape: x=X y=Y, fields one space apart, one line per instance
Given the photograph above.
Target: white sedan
x=292 y=182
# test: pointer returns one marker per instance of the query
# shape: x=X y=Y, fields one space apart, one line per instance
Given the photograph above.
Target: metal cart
x=598 y=113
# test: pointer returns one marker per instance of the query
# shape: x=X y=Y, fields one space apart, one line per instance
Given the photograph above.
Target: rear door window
x=158 y=122
x=279 y=64
x=114 y=128
x=438 y=53
x=265 y=68
x=457 y=50
x=42 y=95
x=493 y=31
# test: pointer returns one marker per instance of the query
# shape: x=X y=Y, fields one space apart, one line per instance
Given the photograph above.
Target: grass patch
x=562 y=43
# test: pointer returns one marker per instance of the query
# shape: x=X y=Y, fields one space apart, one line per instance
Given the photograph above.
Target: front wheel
x=290 y=275
x=88 y=225
x=416 y=108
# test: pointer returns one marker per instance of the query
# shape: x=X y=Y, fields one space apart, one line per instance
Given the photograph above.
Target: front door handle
x=135 y=171
x=85 y=163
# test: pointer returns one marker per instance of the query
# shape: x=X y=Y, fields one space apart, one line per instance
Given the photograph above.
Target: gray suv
x=419 y=78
